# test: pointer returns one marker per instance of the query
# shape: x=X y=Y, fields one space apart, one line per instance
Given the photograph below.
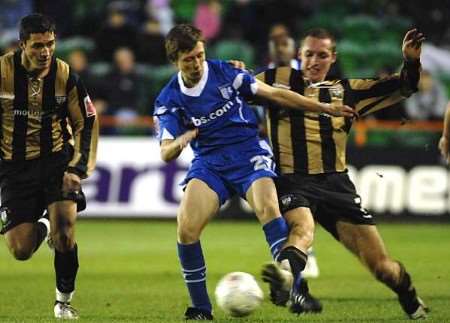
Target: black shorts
x=330 y=197
x=28 y=187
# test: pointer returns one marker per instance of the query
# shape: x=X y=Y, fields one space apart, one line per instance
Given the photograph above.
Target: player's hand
x=186 y=138
x=337 y=109
x=443 y=147
x=237 y=64
x=412 y=45
x=71 y=182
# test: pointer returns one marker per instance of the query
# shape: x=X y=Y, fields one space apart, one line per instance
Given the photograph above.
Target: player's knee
x=267 y=211
x=189 y=226
x=21 y=252
x=188 y=233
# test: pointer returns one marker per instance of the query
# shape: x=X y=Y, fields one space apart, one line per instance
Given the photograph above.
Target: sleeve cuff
x=254 y=88
x=412 y=64
x=76 y=171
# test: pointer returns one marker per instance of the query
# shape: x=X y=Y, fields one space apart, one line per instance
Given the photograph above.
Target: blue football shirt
x=215 y=106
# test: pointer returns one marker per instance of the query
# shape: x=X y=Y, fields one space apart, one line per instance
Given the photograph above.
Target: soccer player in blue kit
x=203 y=105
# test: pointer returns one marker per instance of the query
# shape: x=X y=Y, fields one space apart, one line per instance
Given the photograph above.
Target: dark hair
x=182 y=38
x=320 y=33
x=35 y=23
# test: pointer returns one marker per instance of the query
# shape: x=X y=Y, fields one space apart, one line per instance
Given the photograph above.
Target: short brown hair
x=320 y=33
x=182 y=38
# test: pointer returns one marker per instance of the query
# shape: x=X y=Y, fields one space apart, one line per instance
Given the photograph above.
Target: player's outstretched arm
x=444 y=141
x=172 y=148
x=293 y=100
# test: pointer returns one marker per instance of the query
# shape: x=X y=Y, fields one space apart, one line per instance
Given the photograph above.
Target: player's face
x=191 y=64
x=317 y=56
x=38 y=50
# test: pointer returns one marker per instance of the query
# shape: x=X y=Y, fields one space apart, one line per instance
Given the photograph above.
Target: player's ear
x=334 y=56
x=175 y=62
x=22 y=44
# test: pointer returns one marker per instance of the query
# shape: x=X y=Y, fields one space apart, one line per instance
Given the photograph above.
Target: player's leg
x=296 y=210
x=63 y=216
x=343 y=216
x=262 y=197
x=365 y=242
x=301 y=228
x=62 y=209
x=283 y=284
x=301 y=235
x=198 y=205
x=21 y=218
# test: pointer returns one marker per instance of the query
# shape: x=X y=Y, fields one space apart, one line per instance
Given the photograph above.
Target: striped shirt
x=312 y=143
x=38 y=116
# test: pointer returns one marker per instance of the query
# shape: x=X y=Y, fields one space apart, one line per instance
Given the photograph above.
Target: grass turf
x=129 y=272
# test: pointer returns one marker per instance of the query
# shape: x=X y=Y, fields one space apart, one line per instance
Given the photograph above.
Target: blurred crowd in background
x=117 y=47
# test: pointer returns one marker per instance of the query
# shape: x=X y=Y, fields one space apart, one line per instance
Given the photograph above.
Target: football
x=238 y=294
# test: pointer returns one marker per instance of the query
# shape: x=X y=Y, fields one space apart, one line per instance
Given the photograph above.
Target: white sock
x=64 y=297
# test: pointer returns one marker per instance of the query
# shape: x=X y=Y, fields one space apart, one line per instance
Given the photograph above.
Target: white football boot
x=65 y=311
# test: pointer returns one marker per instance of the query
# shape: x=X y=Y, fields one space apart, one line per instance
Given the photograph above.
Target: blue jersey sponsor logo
x=213 y=115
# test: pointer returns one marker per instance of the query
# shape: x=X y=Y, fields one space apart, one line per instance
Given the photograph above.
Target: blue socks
x=194 y=268
x=194 y=272
x=276 y=232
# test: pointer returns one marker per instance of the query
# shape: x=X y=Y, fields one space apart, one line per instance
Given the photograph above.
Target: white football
x=238 y=294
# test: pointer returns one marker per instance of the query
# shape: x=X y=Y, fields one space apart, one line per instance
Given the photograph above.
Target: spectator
x=161 y=11
x=151 y=48
x=79 y=63
x=282 y=49
x=233 y=46
x=429 y=102
x=61 y=12
x=12 y=12
x=114 y=34
x=122 y=88
x=208 y=18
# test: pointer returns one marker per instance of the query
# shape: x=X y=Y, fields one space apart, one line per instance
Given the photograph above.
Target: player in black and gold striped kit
x=48 y=143
x=310 y=151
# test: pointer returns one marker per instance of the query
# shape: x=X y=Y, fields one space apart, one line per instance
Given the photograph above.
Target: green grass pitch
x=129 y=272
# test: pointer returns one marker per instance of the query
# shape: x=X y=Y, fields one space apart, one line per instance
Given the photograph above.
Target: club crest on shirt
x=226 y=91
x=60 y=99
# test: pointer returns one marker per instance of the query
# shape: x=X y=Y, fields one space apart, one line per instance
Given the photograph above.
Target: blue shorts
x=231 y=172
